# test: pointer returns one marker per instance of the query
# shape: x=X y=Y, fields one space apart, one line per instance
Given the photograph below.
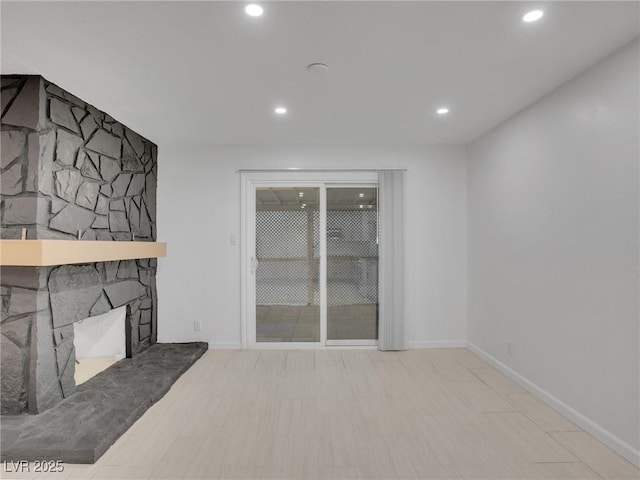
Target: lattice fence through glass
x=352 y=264
x=288 y=265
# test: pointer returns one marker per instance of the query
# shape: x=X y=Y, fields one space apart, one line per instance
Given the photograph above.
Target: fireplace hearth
x=83 y=426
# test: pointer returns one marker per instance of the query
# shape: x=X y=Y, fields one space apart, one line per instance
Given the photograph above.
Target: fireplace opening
x=99 y=342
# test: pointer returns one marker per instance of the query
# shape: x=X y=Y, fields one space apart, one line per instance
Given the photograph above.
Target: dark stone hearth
x=82 y=427
x=74 y=290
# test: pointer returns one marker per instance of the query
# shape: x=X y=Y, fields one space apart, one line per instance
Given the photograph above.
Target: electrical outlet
x=197 y=326
x=509 y=349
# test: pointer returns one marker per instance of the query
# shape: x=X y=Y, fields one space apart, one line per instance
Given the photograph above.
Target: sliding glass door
x=311 y=263
x=287 y=264
x=352 y=265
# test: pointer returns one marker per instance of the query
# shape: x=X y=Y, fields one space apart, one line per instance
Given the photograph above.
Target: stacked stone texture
x=67 y=167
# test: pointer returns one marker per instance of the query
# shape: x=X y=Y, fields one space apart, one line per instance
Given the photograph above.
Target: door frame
x=298 y=178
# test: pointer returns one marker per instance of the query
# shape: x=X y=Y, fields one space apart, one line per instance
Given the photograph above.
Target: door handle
x=254 y=264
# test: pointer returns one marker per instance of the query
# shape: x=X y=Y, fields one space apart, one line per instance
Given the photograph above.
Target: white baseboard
x=225 y=346
x=614 y=443
x=410 y=345
x=438 y=344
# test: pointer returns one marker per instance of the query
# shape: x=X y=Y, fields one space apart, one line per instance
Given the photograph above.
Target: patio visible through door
x=314 y=264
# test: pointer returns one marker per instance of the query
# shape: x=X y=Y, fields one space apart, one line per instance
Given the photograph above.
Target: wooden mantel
x=39 y=253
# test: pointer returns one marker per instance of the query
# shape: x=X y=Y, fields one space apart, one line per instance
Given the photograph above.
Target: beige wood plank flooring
x=350 y=414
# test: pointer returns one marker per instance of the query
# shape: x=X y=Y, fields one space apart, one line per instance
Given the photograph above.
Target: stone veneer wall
x=65 y=167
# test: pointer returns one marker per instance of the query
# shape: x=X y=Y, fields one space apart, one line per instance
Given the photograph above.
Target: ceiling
x=204 y=73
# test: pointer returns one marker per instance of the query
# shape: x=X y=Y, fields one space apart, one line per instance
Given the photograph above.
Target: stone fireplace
x=69 y=170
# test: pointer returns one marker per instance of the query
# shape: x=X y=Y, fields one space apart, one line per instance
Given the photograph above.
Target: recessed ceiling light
x=361 y=195
x=442 y=111
x=532 y=16
x=254 y=10
x=301 y=194
x=280 y=110
x=361 y=206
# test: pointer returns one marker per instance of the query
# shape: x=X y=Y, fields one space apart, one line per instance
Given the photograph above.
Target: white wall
x=199 y=209
x=553 y=247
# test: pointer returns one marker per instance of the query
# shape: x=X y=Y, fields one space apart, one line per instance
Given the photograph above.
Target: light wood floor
x=342 y=414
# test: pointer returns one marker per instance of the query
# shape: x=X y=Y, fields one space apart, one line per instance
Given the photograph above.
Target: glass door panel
x=287 y=264
x=352 y=263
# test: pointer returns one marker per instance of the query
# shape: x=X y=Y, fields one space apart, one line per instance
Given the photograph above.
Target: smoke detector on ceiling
x=318 y=68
